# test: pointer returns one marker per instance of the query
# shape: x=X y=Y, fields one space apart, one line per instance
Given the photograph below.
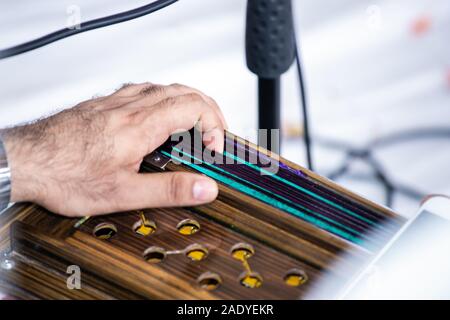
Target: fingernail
x=204 y=190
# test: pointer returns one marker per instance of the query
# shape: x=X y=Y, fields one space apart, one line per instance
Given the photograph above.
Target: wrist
x=22 y=178
x=5 y=178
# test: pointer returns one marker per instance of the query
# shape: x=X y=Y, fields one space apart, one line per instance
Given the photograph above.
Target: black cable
x=387 y=140
x=398 y=187
x=412 y=134
x=366 y=154
x=85 y=26
x=306 y=134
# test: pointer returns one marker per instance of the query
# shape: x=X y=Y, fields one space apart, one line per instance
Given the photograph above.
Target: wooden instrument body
x=42 y=246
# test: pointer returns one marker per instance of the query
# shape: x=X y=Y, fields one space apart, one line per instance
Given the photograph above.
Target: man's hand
x=85 y=160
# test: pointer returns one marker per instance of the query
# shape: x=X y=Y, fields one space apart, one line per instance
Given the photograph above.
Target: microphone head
x=269 y=37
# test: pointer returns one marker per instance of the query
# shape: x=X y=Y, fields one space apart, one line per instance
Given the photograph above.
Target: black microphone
x=270 y=51
x=269 y=37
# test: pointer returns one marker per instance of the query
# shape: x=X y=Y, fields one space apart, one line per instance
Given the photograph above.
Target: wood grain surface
x=43 y=245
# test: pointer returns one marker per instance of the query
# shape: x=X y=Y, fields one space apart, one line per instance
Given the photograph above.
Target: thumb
x=171 y=189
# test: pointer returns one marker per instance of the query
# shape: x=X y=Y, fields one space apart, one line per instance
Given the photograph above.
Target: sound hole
x=104 y=231
x=251 y=280
x=188 y=227
x=209 y=281
x=144 y=228
x=295 y=278
x=196 y=252
x=154 y=254
x=242 y=251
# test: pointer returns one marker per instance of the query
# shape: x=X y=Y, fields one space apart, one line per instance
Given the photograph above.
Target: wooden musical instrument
x=267 y=236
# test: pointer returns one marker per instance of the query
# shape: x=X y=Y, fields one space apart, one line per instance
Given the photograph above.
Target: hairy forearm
x=85 y=160
x=19 y=143
x=43 y=154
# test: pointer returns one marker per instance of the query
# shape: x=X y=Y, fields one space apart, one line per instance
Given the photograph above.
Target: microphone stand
x=269 y=112
x=270 y=51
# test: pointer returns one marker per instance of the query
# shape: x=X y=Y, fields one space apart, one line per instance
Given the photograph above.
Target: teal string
x=263 y=197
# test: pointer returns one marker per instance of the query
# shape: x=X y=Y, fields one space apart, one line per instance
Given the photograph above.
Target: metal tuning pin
x=157 y=160
x=80 y=222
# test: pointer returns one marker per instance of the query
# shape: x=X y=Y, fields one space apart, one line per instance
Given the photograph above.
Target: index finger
x=182 y=113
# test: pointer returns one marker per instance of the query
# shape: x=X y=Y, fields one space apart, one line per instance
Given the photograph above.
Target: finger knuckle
x=193 y=97
x=151 y=89
x=170 y=102
x=125 y=85
x=178 y=86
x=175 y=188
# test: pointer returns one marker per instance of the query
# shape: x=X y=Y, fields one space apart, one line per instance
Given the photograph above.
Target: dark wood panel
x=270 y=263
x=44 y=244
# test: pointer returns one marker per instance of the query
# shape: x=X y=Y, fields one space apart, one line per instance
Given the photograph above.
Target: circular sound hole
x=104 y=231
x=242 y=251
x=209 y=281
x=196 y=252
x=251 y=280
x=188 y=227
x=144 y=228
x=154 y=254
x=295 y=278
